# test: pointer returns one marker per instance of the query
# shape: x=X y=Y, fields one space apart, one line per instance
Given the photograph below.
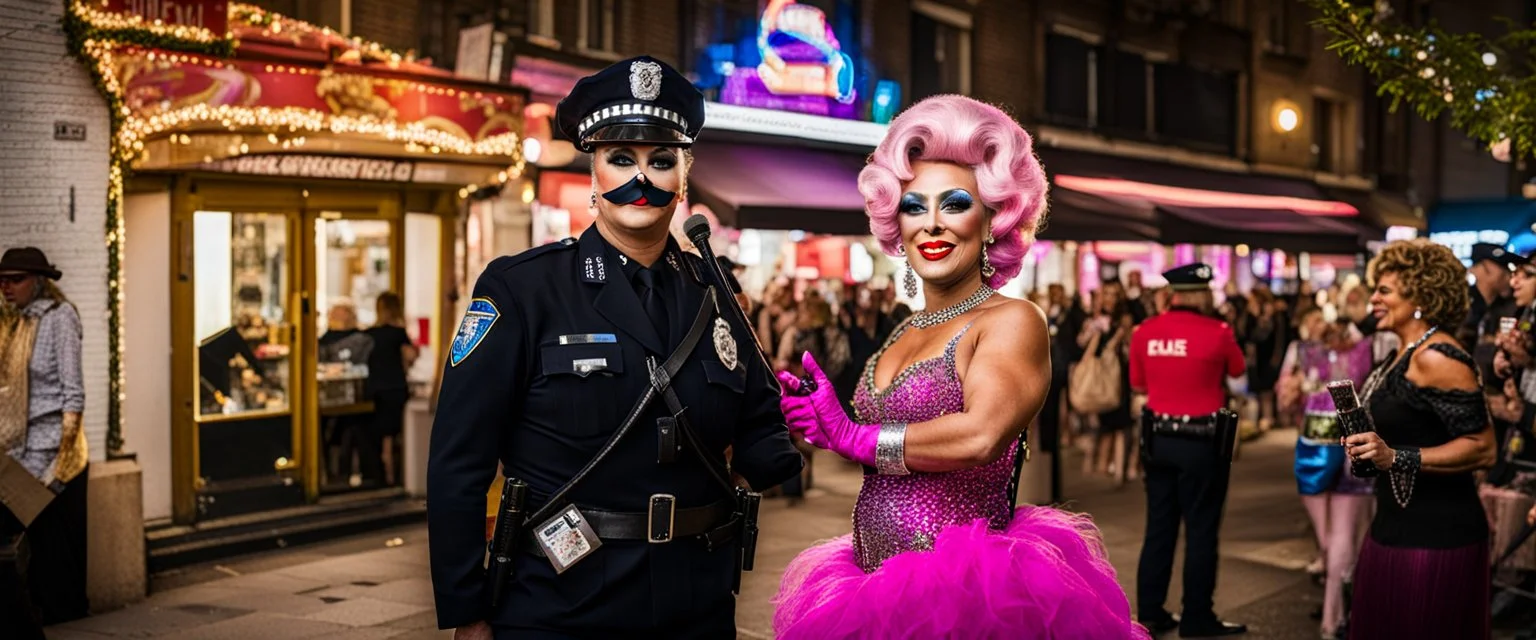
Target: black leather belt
x=1203 y=426
x=715 y=524
x=1186 y=429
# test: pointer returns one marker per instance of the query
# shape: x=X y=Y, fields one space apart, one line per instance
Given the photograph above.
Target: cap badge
x=644 y=80
x=1203 y=272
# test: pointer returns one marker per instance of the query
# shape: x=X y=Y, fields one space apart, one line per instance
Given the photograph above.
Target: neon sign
x=803 y=66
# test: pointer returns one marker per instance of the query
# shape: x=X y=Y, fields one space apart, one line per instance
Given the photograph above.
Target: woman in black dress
x=1423 y=572
x=393 y=354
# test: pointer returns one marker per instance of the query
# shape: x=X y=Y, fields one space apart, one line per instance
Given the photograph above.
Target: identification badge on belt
x=566 y=539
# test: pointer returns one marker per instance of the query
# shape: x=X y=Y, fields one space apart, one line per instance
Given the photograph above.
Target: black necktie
x=650 y=300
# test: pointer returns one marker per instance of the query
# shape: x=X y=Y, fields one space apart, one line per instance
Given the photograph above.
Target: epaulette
x=507 y=262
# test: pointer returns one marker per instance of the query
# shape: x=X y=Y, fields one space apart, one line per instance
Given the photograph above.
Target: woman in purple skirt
x=1423 y=572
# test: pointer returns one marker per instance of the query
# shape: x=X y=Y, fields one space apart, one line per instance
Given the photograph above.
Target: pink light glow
x=1179 y=196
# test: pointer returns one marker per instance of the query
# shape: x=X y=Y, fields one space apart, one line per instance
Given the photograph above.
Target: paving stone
x=273 y=582
x=369 y=633
x=417 y=591
x=364 y=612
x=260 y=626
x=293 y=605
x=151 y=621
x=426 y=620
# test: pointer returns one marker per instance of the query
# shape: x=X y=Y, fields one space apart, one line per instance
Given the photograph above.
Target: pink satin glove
x=799 y=415
x=834 y=430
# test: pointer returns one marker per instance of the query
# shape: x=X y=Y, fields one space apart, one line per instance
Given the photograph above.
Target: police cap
x=1190 y=277
x=1499 y=255
x=637 y=100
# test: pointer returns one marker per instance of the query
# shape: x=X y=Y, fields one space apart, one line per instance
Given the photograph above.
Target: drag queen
x=937 y=548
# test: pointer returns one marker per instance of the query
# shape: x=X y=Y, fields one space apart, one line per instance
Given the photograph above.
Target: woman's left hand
x=1369 y=446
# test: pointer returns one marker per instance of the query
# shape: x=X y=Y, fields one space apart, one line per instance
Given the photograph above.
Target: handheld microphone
x=1354 y=420
x=696 y=227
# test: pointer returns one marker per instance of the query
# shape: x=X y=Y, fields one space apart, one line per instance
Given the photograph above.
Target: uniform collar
x=597 y=257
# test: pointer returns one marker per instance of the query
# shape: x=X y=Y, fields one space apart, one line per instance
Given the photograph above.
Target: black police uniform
x=1481 y=327
x=1181 y=359
x=553 y=354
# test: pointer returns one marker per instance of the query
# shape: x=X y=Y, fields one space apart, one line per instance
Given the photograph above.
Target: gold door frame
x=303 y=203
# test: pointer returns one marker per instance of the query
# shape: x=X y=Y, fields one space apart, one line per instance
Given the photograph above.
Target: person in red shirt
x=1181 y=361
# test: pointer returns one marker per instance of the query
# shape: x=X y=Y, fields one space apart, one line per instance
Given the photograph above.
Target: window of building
x=597 y=25
x=1123 y=87
x=1196 y=107
x=1287 y=32
x=1325 y=143
x=941 y=50
x=541 y=23
x=1071 y=80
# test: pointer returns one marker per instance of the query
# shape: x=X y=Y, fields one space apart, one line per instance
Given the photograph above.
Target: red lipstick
x=935 y=250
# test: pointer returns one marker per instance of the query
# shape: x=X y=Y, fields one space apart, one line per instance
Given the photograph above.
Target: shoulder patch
x=477 y=323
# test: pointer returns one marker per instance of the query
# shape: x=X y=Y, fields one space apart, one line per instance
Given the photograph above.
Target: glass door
x=358 y=347
x=247 y=438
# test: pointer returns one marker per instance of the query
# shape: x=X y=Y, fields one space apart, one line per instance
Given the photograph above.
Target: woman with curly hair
x=938 y=549
x=1423 y=571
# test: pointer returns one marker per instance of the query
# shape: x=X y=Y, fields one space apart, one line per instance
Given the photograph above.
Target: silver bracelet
x=891 y=450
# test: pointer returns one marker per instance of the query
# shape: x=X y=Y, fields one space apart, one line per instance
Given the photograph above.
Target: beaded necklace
x=1402 y=483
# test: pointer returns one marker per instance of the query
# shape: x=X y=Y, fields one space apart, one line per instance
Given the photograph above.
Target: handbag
x=1095 y=383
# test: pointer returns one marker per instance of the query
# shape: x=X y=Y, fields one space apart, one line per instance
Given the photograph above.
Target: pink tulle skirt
x=1045 y=576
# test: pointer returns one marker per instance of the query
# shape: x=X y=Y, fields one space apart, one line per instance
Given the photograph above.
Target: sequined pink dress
x=945 y=555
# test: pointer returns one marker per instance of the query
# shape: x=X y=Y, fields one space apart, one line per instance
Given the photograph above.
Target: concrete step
x=172 y=546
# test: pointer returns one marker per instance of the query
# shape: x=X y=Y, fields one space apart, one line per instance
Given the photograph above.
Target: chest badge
x=725 y=345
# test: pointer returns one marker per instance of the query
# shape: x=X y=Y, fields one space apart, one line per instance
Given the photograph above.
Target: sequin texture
x=895 y=514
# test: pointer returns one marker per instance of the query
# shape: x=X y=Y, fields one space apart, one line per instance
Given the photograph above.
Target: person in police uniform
x=555 y=349
x=1492 y=268
x=1181 y=360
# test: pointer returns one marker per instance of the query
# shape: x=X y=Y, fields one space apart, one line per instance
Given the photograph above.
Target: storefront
x=280 y=187
x=1508 y=223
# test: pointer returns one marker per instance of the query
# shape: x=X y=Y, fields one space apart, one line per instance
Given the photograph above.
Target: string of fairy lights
x=1487 y=92
x=98 y=38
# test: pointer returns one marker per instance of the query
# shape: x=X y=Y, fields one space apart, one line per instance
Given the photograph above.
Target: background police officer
x=557 y=346
x=1180 y=360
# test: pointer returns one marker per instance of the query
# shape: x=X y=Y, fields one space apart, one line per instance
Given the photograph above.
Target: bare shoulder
x=1013 y=322
x=1443 y=367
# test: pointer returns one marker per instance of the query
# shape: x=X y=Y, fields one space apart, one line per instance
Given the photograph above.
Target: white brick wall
x=40 y=83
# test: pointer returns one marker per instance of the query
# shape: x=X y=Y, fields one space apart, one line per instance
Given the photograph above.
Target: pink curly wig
x=957 y=129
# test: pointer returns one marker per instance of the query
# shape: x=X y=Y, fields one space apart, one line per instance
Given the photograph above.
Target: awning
x=1121 y=196
x=785 y=188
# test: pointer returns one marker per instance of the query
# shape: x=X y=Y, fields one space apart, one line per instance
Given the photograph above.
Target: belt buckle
x=663 y=512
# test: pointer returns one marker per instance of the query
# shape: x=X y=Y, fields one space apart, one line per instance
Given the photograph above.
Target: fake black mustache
x=640 y=193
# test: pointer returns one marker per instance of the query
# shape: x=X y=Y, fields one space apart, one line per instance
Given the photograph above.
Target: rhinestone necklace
x=925 y=319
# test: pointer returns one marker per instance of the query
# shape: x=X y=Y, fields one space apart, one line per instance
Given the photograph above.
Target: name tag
x=567 y=538
x=589 y=338
x=588 y=365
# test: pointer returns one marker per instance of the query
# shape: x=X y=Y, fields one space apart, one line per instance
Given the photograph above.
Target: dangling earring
x=986 y=261
x=1418 y=314
x=594 y=197
x=909 y=281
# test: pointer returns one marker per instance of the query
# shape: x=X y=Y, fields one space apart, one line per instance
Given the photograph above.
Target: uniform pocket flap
x=582 y=359
x=733 y=379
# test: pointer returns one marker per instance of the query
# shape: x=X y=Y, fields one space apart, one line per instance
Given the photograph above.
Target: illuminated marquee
x=803 y=67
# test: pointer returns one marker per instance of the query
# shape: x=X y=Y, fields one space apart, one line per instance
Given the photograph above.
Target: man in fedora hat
x=41 y=436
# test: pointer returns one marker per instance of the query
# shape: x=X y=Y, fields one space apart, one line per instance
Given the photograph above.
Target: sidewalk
x=373 y=594
x=376 y=586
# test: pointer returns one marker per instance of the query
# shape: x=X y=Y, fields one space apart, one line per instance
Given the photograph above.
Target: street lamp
x=1287 y=116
